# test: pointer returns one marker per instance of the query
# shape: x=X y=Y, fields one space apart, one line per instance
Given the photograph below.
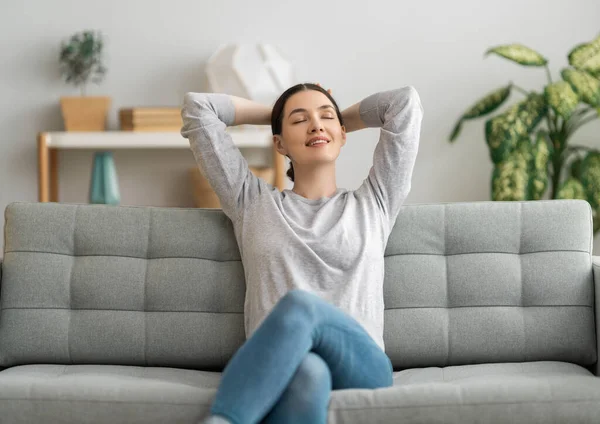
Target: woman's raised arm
x=248 y=112
x=399 y=114
x=205 y=118
x=352 y=120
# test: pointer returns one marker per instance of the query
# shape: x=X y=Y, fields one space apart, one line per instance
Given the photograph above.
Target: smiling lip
x=317 y=138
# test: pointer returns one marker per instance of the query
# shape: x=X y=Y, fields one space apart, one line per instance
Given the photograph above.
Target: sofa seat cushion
x=105 y=394
x=532 y=392
x=485 y=393
x=479 y=371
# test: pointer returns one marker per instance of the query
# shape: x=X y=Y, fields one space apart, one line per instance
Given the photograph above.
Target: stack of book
x=163 y=119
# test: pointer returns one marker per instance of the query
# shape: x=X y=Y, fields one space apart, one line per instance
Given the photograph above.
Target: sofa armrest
x=596 y=274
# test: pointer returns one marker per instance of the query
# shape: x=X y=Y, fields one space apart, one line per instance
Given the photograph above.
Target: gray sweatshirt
x=332 y=246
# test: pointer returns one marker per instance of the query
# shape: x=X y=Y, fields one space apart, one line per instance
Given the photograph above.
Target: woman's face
x=306 y=115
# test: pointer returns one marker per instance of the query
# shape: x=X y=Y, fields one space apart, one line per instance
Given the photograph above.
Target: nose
x=316 y=126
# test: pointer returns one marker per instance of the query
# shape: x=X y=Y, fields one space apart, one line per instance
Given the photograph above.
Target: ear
x=278 y=142
x=343 y=135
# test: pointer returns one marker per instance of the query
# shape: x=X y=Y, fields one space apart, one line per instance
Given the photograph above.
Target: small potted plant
x=81 y=62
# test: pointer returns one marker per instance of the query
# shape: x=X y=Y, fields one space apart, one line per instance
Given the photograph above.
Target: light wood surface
x=279 y=165
x=53 y=153
x=43 y=166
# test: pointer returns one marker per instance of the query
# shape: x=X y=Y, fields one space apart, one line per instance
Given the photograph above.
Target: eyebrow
x=304 y=110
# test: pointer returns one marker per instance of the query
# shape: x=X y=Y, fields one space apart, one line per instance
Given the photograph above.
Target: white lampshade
x=257 y=72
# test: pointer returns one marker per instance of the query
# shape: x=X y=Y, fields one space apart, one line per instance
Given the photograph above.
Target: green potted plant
x=529 y=141
x=81 y=62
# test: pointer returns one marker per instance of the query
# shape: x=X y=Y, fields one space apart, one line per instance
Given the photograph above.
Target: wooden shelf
x=243 y=136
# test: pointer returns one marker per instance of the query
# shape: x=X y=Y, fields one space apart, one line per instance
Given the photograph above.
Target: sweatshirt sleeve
x=399 y=114
x=205 y=118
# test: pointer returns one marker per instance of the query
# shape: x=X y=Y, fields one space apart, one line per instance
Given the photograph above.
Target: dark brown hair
x=277 y=113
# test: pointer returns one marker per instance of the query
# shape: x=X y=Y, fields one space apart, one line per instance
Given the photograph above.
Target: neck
x=315 y=182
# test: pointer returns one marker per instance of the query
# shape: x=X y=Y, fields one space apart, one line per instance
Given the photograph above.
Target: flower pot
x=84 y=113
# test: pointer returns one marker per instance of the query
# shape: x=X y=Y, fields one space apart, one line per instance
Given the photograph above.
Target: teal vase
x=104 y=187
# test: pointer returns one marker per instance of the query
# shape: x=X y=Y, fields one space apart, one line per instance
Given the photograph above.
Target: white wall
x=156 y=52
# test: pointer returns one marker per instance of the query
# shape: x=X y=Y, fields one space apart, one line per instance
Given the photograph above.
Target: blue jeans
x=285 y=371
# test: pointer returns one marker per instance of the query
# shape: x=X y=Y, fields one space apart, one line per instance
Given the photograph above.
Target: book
x=150 y=119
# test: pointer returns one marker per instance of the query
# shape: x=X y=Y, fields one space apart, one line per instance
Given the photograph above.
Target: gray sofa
x=116 y=314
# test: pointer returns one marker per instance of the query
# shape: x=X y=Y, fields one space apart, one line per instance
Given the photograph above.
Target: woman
x=313 y=256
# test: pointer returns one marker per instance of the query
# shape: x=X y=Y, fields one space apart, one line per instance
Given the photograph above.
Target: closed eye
x=304 y=120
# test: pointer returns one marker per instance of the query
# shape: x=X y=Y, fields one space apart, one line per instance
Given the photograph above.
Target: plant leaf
x=503 y=132
x=571 y=188
x=590 y=178
x=456 y=130
x=586 y=86
x=561 y=97
x=490 y=102
x=586 y=57
x=511 y=178
x=81 y=58
x=520 y=54
x=541 y=155
x=575 y=169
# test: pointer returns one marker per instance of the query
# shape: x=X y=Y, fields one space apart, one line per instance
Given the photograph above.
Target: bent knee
x=313 y=376
x=299 y=299
x=295 y=311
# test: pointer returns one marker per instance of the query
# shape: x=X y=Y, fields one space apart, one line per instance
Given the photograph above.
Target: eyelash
x=297 y=122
